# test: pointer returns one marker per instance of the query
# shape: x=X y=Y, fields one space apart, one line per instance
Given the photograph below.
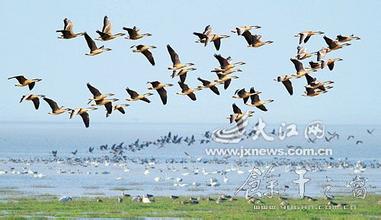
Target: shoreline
x=206 y=207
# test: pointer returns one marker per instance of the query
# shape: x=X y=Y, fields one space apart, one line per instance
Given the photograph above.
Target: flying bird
x=310 y=91
x=238 y=114
x=94 y=50
x=331 y=63
x=306 y=35
x=334 y=44
x=24 y=81
x=208 y=36
x=107 y=103
x=34 y=98
x=204 y=36
x=145 y=50
x=286 y=81
x=97 y=95
x=254 y=40
x=317 y=65
x=241 y=29
x=300 y=70
x=302 y=53
x=322 y=53
x=186 y=90
x=83 y=112
x=119 y=108
x=343 y=38
x=225 y=64
x=176 y=63
x=315 y=84
x=106 y=33
x=56 y=110
x=134 y=96
x=257 y=102
x=133 y=33
x=160 y=88
x=243 y=94
x=225 y=79
x=182 y=73
x=67 y=32
x=207 y=84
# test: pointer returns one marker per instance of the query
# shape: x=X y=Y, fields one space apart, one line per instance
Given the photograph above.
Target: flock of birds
x=179 y=69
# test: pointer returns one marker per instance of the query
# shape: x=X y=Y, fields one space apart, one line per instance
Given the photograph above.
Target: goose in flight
x=94 y=50
x=107 y=103
x=343 y=38
x=182 y=73
x=370 y=131
x=311 y=92
x=134 y=96
x=225 y=63
x=238 y=114
x=67 y=32
x=306 y=35
x=255 y=101
x=24 y=81
x=300 y=70
x=97 y=95
x=34 y=98
x=317 y=65
x=54 y=106
x=207 y=84
x=207 y=36
x=204 y=36
x=83 y=112
x=286 y=81
x=315 y=84
x=243 y=94
x=334 y=44
x=145 y=50
x=254 y=40
x=176 y=63
x=121 y=107
x=226 y=72
x=331 y=63
x=186 y=90
x=241 y=29
x=302 y=53
x=106 y=33
x=322 y=53
x=160 y=88
x=133 y=33
x=225 y=79
x=216 y=39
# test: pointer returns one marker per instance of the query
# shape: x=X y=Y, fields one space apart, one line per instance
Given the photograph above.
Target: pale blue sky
x=29 y=46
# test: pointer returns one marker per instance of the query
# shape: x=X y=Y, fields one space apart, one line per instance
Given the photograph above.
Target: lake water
x=27 y=166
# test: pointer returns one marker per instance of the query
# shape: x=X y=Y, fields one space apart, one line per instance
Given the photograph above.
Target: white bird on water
x=213 y=182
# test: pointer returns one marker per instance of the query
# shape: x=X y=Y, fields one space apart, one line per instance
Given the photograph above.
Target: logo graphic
x=233 y=134
x=314 y=130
